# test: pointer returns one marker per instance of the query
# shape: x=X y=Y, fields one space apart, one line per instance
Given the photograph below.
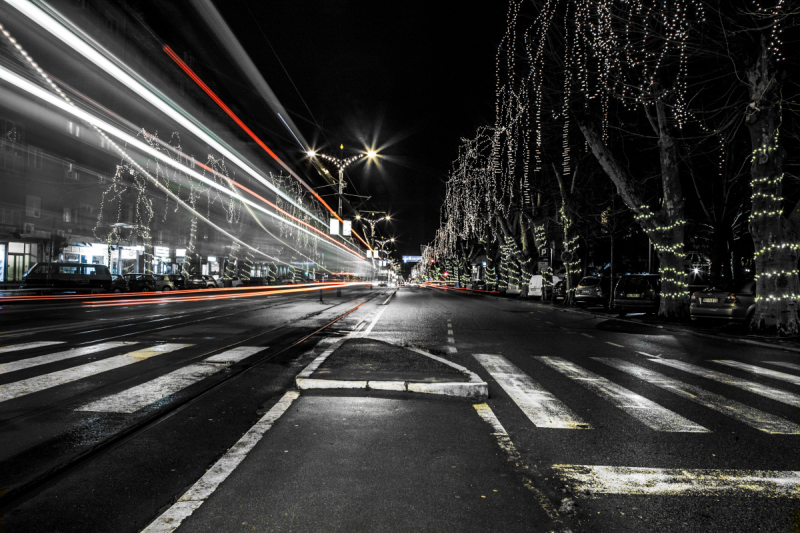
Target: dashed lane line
x=774 y=374
x=645 y=411
x=172 y=518
x=60 y=356
x=614 y=344
x=140 y=396
x=47 y=381
x=595 y=480
x=539 y=405
x=588 y=335
x=27 y=346
x=720 y=377
x=743 y=413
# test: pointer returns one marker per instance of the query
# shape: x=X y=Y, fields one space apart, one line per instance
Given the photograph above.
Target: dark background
x=409 y=78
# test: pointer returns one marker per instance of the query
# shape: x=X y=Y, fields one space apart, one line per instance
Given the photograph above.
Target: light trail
x=187 y=69
x=87 y=117
x=45 y=18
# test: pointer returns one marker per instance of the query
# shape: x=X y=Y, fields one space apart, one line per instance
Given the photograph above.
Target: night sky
x=410 y=78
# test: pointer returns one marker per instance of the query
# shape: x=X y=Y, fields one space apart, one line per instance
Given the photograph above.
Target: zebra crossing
x=545 y=410
x=129 y=400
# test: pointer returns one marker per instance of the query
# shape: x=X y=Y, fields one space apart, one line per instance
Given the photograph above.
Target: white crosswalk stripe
x=140 y=396
x=27 y=346
x=774 y=374
x=793 y=366
x=720 y=377
x=53 y=379
x=60 y=356
x=739 y=411
x=590 y=479
x=646 y=411
x=539 y=405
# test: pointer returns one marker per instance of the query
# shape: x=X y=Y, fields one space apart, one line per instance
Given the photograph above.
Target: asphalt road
x=615 y=426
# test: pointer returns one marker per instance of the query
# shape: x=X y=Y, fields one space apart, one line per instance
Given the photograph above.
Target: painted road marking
x=46 y=381
x=540 y=406
x=793 y=366
x=648 y=355
x=720 y=377
x=27 y=346
x=739 y=411
x=645 y=411
x=60 y=356
x=375 y=321
x=679 y=482
x=587 y=335
x=774 y=374
x=615 y=344
x=140 y=396
x=171 y=519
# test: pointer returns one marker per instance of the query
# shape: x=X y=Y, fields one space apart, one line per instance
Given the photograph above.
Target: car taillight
x=731 y=299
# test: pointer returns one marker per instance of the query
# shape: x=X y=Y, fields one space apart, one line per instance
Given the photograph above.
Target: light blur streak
x=241 y=124
x=205 y=298
x=41 y=15
x=104 y=127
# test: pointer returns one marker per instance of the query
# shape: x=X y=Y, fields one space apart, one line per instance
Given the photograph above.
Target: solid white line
x=46 y=381
x=172 y=518
x=792 y=366
x=540 y=406
x=720 y=377
x=645 y=411
x=774 y=374
x=679 y=482
x=739 y=411
x=140 y=396
x=60 y=356
x=313 y=365
x=27 y=346
x=375 y=321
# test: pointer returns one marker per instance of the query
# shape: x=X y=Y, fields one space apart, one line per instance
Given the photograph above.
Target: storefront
x=16 y=258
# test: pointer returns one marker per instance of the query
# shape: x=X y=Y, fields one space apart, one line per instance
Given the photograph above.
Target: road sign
x=566 y=257
x=412 y=259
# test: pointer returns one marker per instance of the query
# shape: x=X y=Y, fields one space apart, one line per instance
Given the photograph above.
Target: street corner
x=367 y=364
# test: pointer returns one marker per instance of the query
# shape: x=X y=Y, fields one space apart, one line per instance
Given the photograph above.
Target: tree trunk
x=775 y=237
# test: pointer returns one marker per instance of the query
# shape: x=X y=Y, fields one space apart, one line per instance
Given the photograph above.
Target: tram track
x=15 y=496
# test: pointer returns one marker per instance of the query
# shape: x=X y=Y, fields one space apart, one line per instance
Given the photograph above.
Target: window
x=90 y=271
x=68 y=269
x=35 y=158
x=33 y=206
x=68 y=215
x=74 y=129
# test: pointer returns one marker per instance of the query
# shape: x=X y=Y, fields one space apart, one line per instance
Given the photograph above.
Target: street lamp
x=372 y=221
x=341 y=164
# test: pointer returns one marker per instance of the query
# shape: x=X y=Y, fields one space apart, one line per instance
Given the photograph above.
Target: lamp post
x=341 y=164
x=373 y=221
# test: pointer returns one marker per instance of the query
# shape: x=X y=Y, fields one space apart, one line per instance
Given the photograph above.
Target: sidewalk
x=371 y=458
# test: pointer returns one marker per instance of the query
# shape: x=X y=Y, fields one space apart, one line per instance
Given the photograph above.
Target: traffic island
x=359 y=363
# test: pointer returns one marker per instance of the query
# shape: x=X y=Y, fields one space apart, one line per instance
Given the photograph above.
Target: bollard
x=338 y=292
x=320 y=296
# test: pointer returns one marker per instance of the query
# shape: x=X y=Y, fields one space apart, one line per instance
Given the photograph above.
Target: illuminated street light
x=341 y=164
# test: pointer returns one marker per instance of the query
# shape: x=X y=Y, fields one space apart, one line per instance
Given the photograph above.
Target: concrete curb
x=717 y=336
x=475 y=389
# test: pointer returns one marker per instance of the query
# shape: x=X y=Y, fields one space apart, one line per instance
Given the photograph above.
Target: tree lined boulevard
x=599 y=425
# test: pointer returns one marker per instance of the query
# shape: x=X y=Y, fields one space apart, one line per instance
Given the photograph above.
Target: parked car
x=728 y=302
x=197 y=281
x=542 y=286
x=164 y=283
x=233 y=281
x=217 y=281
x=78 y=277
x=179 y=280
x=636 y=293
x=593 y=290
x=140 y=282
x=559 y=291
x=118 y=284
